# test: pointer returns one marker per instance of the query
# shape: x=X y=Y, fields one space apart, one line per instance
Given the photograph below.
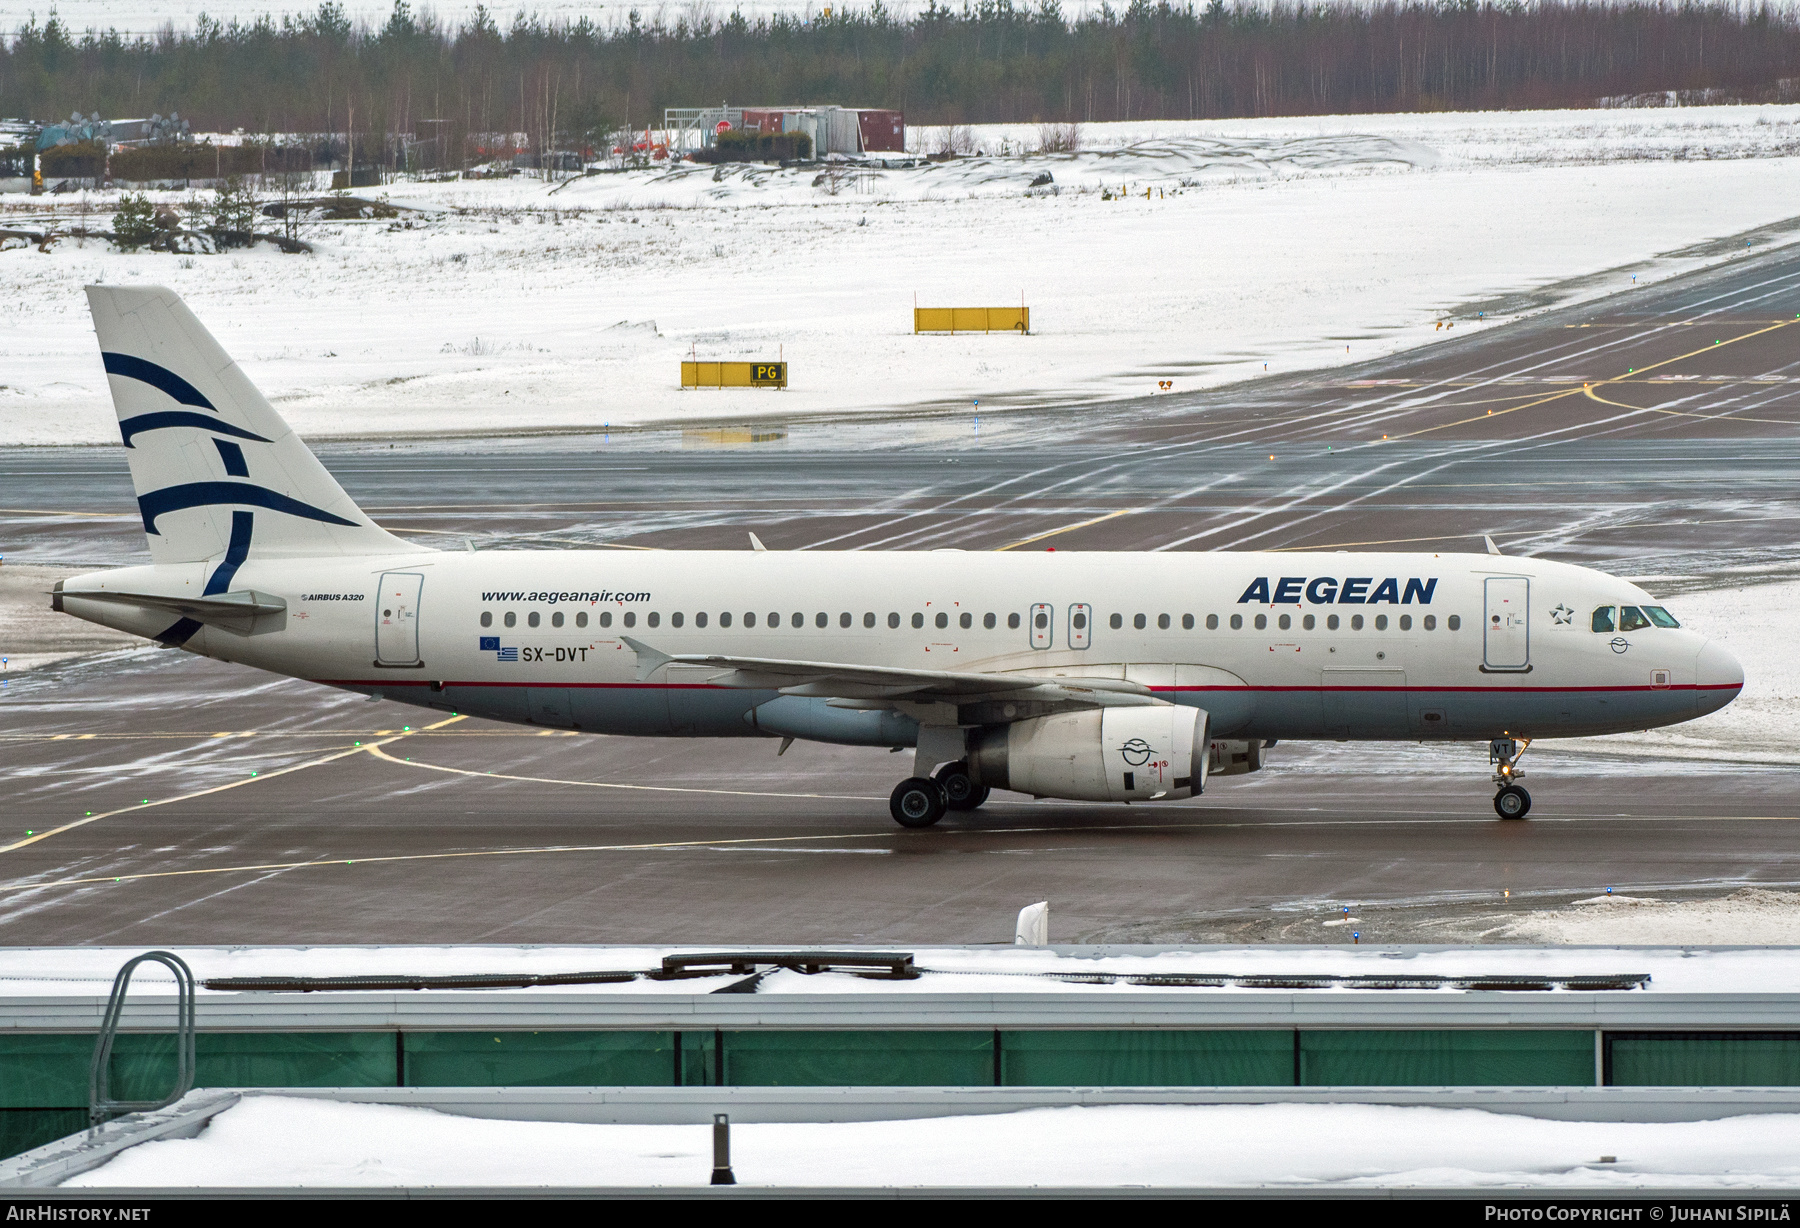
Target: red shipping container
x=883 y=131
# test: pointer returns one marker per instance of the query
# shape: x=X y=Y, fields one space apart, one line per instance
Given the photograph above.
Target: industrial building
x=849 y=131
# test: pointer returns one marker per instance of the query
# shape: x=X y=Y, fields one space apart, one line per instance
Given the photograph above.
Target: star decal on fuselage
x=1562 y=616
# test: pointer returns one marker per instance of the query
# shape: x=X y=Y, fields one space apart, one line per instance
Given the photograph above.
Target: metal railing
x=101 y=1104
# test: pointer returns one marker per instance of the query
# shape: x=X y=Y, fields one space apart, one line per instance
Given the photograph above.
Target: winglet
x=649 y=660
x=756 y=544
x=1492 y=548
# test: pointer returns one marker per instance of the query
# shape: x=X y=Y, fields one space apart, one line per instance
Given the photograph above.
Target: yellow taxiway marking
x=758 y=843
x=235 y=784
x=1678 y=413
x=375 y=749
x=1068 y=528
x=1588 y=389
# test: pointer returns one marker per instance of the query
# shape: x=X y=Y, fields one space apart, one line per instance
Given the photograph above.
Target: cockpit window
x=1632 y=619
x=1660 y=616
x=1603 y=618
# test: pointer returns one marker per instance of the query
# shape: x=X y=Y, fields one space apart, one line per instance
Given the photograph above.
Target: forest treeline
x=991 y=61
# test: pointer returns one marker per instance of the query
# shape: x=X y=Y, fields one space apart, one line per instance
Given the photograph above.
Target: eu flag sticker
x=490 y=643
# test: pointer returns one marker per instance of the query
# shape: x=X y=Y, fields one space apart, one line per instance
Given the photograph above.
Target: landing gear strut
x=1511 y=801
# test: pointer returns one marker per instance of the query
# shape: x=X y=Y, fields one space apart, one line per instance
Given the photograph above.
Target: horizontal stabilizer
x=245 y=612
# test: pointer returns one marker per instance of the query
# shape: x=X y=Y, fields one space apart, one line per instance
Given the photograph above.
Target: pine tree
x=135 y=223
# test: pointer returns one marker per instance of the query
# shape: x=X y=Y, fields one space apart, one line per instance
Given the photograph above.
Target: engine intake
x=1106 y=755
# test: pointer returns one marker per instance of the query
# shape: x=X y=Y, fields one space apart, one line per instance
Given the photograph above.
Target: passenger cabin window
x=1284 y=622
x=918 y=620
x=630 y=618
x=652 y=619
x=869 y=619
x=893 y=620
x=700 y=619
x=581 y=619
x=749 y=618
x=556 y=619
x=606 y=618
x=966 y=621
x=1454 y=622
x=1308 y=623
x=1212 y=622
x=675 y=620
x=531 y=619
x=943 y=620
x=821 y=620
x=798 y=620
x=1237 y=622
x=511 y=619
x=725 y=619
x=845 y=619
x=1660 y=616
x=1381 y=622
x=1331 y=622
x=1137 y=621
x=1431 y=622
x=1262 y=622
x=487 y=618
x=1603 y=619
x=1012 y=622
x=1187 y=622
x=1632 y=619
x=1406 y=622
x=1116 y=621
x=988 y=621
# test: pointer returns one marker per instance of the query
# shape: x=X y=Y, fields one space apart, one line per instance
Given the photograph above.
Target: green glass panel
x=23 y=1129
x=866 y=1059
x=1706 y=1059
x=44 y=1072
x=1147 y=1058
x=540 y=1059
x=1514 y=1057
x=699 y=1058
x=144 y=1065
x=51 y=1071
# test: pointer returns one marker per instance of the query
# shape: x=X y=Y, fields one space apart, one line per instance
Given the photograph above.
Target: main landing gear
x=1511 y=801
x=918 y=802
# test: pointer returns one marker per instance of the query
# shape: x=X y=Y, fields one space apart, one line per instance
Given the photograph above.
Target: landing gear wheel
x=1512 y=802
x=960 y=792
x=917 y=802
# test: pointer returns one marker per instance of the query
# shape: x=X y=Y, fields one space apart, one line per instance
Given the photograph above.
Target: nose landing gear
x=1511 y=801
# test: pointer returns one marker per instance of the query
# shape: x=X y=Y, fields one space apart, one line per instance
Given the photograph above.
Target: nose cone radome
x=1718 y=676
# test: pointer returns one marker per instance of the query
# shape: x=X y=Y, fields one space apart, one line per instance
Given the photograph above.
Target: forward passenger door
x=1506 y=630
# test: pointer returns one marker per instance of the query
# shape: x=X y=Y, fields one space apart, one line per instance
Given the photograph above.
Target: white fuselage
x=1345 y=646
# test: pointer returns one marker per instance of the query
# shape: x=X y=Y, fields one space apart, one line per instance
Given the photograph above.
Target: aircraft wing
x=837 y=680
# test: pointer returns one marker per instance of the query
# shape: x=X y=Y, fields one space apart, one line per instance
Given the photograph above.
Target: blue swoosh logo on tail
x=242 y=523
x=157 y=377
x=207 y=494
x=181 y=417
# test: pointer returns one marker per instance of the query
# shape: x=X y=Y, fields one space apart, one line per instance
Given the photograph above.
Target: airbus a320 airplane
x=1102 y=677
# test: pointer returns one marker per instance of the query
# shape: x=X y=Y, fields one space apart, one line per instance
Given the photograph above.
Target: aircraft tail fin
x=218 y=474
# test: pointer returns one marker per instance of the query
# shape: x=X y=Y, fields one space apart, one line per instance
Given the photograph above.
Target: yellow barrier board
x=971 y=319
x=734 y=375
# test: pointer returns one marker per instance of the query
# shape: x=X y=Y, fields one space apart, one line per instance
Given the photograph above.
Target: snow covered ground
x=271 y=1140
x=521 y=306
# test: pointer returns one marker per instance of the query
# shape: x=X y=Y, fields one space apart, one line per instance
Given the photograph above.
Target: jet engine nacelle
x=1106 y=755
x=1236 y=758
